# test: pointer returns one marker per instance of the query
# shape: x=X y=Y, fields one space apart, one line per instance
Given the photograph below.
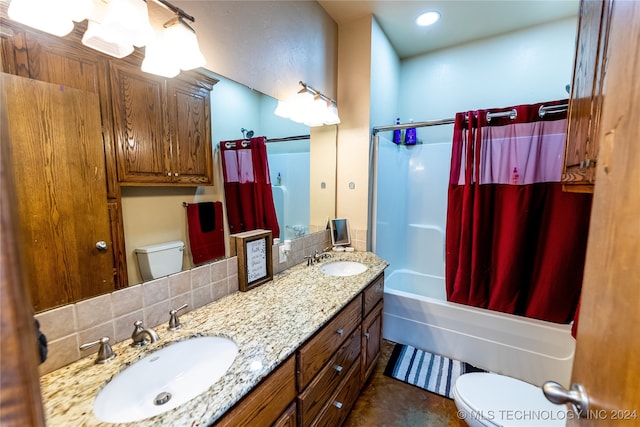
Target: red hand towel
x=208 y=245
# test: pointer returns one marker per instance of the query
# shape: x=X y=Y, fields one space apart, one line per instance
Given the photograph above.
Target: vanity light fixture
x=52 y=17
x=175 y=48
x=427 y=18
x=310 y=107
x=115 y=27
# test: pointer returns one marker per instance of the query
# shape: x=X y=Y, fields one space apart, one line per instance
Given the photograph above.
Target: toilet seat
x=500 y=401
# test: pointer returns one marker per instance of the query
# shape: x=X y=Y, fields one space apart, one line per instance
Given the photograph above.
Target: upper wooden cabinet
x=589 y=73
x=162 y=127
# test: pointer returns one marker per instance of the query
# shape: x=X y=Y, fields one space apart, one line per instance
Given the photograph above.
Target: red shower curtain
x=247 y=186
x=515 y=241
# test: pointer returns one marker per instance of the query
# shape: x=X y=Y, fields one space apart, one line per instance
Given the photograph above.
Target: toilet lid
x=506 y=401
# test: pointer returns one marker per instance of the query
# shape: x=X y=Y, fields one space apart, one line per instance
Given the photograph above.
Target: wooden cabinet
x=313 y=356
x=162 y=128
x=371 y=326
x=589 y=74
x=314 y=397
x=331 y=368
x=371 y=339
x=190 y=130
x=269 y=403
x=289 y=418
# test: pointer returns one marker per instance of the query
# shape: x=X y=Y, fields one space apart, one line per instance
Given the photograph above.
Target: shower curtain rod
x=289 y=138
x=245 y=143
x=512 y=114
x=412 y=125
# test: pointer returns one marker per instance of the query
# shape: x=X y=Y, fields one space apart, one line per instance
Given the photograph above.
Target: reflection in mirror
x=289 y=160
x=340 y=234
x=153 y=215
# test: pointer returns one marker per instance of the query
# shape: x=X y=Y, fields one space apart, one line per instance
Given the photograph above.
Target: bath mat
x=430 y=372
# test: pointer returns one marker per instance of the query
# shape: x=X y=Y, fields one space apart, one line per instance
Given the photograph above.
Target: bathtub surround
x=113 y=314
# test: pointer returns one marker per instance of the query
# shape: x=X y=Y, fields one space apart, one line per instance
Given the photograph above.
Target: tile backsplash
x=113 y=315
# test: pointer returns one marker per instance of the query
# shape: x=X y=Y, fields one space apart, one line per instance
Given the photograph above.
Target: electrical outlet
x=282 y=254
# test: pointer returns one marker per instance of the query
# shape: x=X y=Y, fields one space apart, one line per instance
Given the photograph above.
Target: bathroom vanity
x=307 y=343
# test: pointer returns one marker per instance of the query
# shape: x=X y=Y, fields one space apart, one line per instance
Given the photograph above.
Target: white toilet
x=489 y=400
x=160 y=260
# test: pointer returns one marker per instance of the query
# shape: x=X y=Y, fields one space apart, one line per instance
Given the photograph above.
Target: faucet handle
x=174 y=321
x=105 y=352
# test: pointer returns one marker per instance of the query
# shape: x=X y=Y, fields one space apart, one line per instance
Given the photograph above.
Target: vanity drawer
x=315 y=353
x=315 y=396
x=264 y=405
x=337 y=408
x=373 y=294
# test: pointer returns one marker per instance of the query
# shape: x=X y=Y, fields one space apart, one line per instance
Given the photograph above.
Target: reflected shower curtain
x=515 y=242
x=247 y=186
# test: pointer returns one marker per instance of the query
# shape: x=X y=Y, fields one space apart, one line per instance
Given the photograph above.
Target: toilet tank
x=160 y=259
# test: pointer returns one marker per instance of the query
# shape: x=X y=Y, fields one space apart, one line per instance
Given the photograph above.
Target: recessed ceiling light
x=427 y=18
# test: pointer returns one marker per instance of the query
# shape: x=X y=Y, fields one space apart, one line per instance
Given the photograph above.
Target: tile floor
x=386 y=402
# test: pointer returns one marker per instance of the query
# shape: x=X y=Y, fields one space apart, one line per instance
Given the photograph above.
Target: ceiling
x=461 y=20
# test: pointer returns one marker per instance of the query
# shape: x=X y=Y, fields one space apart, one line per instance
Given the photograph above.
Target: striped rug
x=430 y=372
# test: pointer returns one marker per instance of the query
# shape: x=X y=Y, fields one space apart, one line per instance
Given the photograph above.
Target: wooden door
x=58 y=162
x=190 y=129
x=607 y=361
x=141 y=131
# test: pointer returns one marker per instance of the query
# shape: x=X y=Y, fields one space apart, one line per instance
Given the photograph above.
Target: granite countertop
x=267 y=323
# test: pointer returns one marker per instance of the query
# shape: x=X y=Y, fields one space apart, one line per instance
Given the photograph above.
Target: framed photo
x=253 y=249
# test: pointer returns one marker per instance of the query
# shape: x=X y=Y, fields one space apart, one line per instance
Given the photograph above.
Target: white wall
x=267 y=45
x=385 y=78
x=524 y=67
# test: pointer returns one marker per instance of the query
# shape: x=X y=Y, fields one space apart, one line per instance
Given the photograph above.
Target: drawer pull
x=338 y=368
x=366 y=335
x=340 y=331
x=337 y=405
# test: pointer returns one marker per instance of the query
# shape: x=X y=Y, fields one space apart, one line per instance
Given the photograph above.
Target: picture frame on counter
x=253 y=249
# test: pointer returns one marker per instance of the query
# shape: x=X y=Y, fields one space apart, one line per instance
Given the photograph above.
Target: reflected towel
x=206 y=233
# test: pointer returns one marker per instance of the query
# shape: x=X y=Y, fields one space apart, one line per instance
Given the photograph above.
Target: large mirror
x=152 y=213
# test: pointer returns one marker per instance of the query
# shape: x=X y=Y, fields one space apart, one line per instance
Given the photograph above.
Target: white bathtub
x=416 y=313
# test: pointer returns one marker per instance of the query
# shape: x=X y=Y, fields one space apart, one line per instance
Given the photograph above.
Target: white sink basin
x=343 y=268
x=173 y=375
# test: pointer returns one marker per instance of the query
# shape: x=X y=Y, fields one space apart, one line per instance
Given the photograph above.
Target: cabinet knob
x=101 y=245
x=175 y=174
x=366 y=335
x=337 y=404
x=168 y=173
x=338 y=368
x=340 y=332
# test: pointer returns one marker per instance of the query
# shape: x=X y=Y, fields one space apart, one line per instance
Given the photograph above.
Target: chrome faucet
x=317 y=256
x=142 y=336
x=322 y=255
x=105 y=353
x=174 y=320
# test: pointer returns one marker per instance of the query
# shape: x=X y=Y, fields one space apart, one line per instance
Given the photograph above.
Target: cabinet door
x=140 y=125
x=581 y=150
x=58 y=162
x=371 y=340
x=190 y=133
